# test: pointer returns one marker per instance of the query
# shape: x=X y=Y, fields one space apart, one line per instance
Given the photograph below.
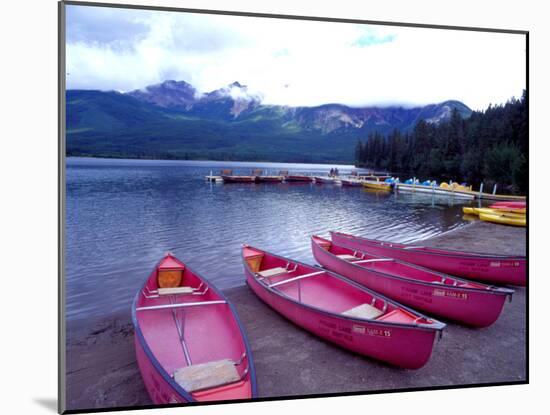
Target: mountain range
x=173 y=120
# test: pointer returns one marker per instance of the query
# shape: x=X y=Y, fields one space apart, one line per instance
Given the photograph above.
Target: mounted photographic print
x=259 y=206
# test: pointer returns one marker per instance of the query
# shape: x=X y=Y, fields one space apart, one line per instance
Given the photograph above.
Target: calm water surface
x=123 y=215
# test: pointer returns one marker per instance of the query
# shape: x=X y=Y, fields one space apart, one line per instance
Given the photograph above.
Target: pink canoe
x=494 y=268
x=468 y=302
x=341 y=311
x=190 y=344
x=509 y=204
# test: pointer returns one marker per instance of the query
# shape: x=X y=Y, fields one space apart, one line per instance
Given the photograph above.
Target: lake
x=123 y=215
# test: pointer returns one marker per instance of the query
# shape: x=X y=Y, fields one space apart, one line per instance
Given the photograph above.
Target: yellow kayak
x=511 y=210
x=502 y=219
x=377 y=186
x=489 y=211
x=499 y=212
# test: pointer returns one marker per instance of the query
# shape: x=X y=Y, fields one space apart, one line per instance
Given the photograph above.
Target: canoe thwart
x=365 y=311
x=365 y=261
x=296 y=278
x=347 y=257
x=179 y=305
x=207 y=375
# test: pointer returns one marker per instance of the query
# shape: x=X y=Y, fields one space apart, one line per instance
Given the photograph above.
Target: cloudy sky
x=291 y=62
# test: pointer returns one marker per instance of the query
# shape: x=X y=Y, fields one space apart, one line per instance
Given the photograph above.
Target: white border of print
x=29 y=201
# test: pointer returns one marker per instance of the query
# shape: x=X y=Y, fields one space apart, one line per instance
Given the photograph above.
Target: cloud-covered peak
x=167 y=94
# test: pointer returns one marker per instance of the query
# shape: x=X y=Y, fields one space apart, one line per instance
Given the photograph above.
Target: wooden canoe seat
x=364 y=311
x=272 y=272
x=207 y=375
x=175 y=290
x=347 y=257
x=253 y=258
x=170 y=278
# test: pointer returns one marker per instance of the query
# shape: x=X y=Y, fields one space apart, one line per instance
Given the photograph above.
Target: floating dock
x=211 y=178
x=462 y=194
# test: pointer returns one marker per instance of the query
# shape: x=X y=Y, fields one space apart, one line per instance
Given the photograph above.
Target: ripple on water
x=123 y=215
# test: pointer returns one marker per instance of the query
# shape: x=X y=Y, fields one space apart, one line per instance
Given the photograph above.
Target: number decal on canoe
x=371 y=331
x=453 y=294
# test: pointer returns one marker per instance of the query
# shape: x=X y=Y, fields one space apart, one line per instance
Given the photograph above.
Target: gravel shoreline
x=102 y=371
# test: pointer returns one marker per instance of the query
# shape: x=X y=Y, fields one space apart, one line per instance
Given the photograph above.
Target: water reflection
x=123 y=215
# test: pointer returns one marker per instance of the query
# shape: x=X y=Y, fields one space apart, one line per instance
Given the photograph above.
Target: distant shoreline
x=328 y=164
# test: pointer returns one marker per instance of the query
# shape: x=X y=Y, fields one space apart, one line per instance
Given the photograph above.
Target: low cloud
x=290 y=62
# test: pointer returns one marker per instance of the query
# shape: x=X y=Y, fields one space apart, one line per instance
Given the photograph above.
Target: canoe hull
x=472 y=307
x=158 y=342
x=374 y=340
x=499 y=270
x=158 y=388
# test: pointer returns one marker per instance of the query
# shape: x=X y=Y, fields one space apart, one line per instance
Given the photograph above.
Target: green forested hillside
x=490 y=146
x=111 y=124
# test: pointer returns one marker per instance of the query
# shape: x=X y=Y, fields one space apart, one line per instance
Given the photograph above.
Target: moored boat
x=228 y=176
x=325 y=180
x=239 y=179
x=492 y=211
x=494 y=268
x=261 y=178
x=341 y=311
x=190 y=344
x=505 y=213
x=351 y=182
x=269 y=179
x=504 y=219
x=510 y=204
x=298 y=178
x=504 y=209
x=378 y=185
x=472 y=303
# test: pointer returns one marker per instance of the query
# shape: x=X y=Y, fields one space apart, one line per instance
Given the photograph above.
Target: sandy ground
x=102 y=372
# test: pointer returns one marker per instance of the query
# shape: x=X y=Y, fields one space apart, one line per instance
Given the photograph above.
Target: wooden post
x=480 y=189
x=495 y=189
